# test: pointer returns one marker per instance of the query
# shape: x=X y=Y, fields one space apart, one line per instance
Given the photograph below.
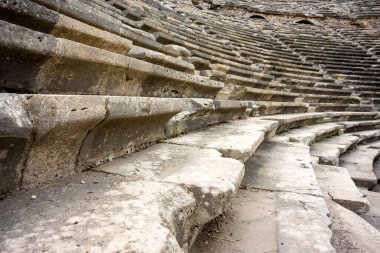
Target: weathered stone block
x=60 y=124
x=131 y=123
x=15 y=132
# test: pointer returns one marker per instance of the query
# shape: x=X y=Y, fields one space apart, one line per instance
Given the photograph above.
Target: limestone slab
x=249 y=225
x=351 y=233
x=15 y=133
x=359 y=163
x=104 y=213
x=289 y=121
x=303 y=224
x=212 y=179
x=368 y=135
x=60 y=124
x=131 y=123
x=328 y=150
x=309 y=134
x=278 y=166
x=336 y=182
x=237 y=139
x=373 y=215
x=200 y=113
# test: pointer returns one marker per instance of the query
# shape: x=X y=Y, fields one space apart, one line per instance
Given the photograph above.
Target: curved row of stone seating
x=133 y=84
x=348 y=9
x=278 y=177
x=113 y=117
x=176 y=175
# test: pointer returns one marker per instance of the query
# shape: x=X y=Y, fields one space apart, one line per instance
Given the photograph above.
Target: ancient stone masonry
x=189 y=126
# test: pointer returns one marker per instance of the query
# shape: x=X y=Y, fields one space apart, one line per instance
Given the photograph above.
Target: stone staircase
x=166 y=126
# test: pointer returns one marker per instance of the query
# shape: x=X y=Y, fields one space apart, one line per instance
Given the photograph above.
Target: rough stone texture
x=237 y=140
x=131 y=123
x=303 y=224
x=289 y=121
x=18 y=73
x=310 y=134
x=359 y=163
x=368 y=135
x=15 y=133
x=373 y=215
x=279 y=207
x=241 y=229
x=60 y=125
x=328 y=150
x=199 y=113
x=106 y=214
x=337 y=183
x=161 y=59
x=277 y=166
x=212 y=179
x=66 y=67
x=350 y=232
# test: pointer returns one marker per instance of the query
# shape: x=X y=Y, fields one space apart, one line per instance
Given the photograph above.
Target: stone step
x=237 y=140
x=213 y=180
x=337 y=183
x=315 y=98
x=46 y=137
x=309 y=134
x=367 y=135
x=290 y=214
x=236 y=92
x=61 y=26
x=325 y=107
x=351 y=233
x=66 y=67
x=262 y=108
x=99 y=212
x=354 y=126
x=321 y=91
x=175 y=199
x=328 y=151
x=359 y=163
x=254 y=83
x=373 y=215
x=289 y=121
x=86 y=13
x=161 y=59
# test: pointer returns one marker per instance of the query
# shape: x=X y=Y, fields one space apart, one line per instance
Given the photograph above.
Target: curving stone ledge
x=155 y=200
x=41 y=63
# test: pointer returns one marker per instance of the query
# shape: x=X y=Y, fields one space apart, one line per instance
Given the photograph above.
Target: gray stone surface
x=107 y=213
x=337 y=183
x=309 y=134
x=200 y=113
x=373 y=215
x=249 y=225
x=359 y=163
x=278 y=166
x=289 y=121
x=60 y=123
x=279 y=207
x=328 y=150
x=161 y=59
x=237 y=140
x=303 y=224
x=368 y=135
x=213 y=180
x=15 y=133
x=351 y=233
x=131 y=123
